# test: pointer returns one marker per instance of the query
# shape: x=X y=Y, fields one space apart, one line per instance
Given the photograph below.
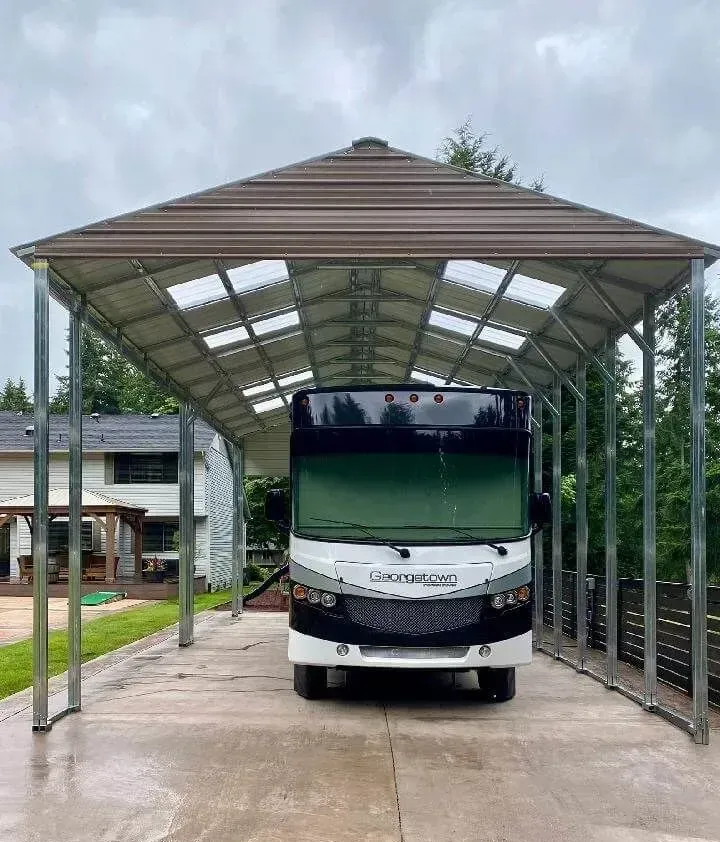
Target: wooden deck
x=132 y=587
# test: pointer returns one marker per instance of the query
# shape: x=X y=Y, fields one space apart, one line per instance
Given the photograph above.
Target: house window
x=145 y=468
x=58 y=537
x=159 y=537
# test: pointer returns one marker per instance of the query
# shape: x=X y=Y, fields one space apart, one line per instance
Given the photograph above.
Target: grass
x=98 y=638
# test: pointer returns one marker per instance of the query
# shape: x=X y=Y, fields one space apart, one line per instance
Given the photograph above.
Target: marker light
x=484 y=651
x=498 y=601
x=299 y=591
x=521 y=403
x=438 y=399
x=305 y=402
x=523 y=593
x=414 y=398
x=342 y=650
x=313 y=596
x=389 y=398
x=329 y=600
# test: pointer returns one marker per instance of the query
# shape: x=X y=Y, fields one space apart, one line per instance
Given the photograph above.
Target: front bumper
x=304 y=649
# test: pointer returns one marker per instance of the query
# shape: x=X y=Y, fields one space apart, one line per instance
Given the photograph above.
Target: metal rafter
x=490 y=308
x=166 y=299
x=430 y=303
x=247 y=324
x=297 y=296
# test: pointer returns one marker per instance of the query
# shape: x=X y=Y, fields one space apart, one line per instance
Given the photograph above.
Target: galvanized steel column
x=557 y=517
x=538 y=538
x=649 y=472
x=238 y=549
x=581 y=533
x=40 y=504
x=75 y=509
x=697 y=504
x=187 y=523
x=611 y=583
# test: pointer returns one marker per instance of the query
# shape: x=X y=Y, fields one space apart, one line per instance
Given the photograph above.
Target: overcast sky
x=108 y=106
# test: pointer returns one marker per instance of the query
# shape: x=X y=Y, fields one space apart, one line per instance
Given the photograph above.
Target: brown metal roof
x=367 y=265
x=368 y=200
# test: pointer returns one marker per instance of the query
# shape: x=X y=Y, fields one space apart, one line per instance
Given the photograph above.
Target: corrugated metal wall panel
x=220 y=517
x=268 y=453
x=367 y=202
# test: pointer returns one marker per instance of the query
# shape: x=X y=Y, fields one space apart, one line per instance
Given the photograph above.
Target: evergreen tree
x=14 y=397
x=468 y=150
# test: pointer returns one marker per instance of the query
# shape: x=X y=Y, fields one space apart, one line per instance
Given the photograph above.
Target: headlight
x=498 y=601
x=313 y=596
x=510 y=598
x=329 y=600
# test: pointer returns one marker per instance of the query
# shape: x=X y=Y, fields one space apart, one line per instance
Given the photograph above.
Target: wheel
x=310 y=682
x=497 y=685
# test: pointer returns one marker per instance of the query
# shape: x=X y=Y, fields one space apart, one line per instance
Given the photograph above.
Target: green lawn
x=99 y=637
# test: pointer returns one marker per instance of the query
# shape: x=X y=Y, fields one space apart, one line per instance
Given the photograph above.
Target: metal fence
x=674 y=625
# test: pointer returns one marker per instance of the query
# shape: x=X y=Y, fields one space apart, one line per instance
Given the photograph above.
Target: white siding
x=267 y=453
x=220 y=515
x=160 y=499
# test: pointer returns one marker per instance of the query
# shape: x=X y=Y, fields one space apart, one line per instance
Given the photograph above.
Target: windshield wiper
x=403 y=552
x=499 y=549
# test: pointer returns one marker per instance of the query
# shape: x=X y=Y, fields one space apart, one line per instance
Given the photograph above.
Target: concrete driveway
x=16 y=613
x=211 y=743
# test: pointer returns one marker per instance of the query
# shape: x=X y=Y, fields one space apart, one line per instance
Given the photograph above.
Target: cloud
x=108 y=106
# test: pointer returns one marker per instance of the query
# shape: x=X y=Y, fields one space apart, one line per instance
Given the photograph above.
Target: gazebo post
x=110 y=546
x=138 y=547
x=41 y=458
x=75 y=510
x=186 y=587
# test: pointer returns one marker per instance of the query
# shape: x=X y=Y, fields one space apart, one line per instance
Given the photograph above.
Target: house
x=132 y=458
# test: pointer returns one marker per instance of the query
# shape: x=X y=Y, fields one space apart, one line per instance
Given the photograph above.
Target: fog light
x=343 y=650
x=329 y=600
x=299 y=591
x=510 y=598
x=313 y=596
x=484 y=651
x=498 y=601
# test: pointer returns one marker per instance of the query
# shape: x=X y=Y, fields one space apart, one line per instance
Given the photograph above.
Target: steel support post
x=538 y=538
x=611 y=583
x=581 y=526
x=697 y=504
x=40 y=506
x=557 y=518
x=187 y=523
x=649 y=472
x=238 y=558
x=75 y=509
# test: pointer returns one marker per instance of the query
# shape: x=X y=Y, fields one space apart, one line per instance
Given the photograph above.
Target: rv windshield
x=415 y=486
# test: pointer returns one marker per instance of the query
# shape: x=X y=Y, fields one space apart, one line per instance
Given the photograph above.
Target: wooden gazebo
x=106 y=511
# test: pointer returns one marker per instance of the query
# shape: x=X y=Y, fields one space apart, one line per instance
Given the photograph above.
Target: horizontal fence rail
x=674 y=636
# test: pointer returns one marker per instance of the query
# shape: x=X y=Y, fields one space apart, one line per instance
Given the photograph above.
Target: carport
x=373 y=265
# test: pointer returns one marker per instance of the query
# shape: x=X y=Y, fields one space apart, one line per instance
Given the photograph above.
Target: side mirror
x=276 y=504
x=540 y=509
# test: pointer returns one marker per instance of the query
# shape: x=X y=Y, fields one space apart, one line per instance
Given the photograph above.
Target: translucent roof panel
x=266 y=406
x=262 y=273
x=488 y=278
x=291 y=379
x=275 y=323
x=453 y=323
x=427 y=377
x=258 y=390
x=273 y=403
x=502 y=337
x=197 y=292
x=226 y=337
